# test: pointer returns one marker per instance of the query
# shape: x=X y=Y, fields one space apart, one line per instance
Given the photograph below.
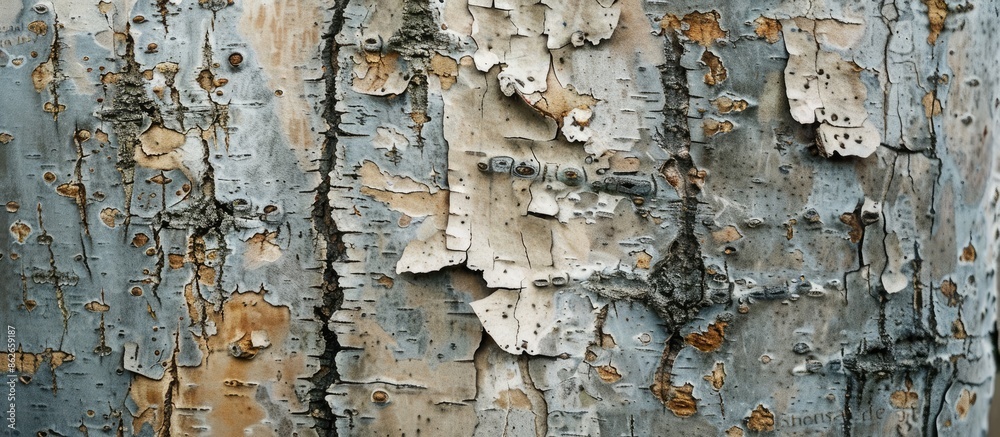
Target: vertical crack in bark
x=328 y=234
x=678 y=287
x=417 y=40
x=172 y=387
x=678 y=280
x=129 y=105
x=539 y=407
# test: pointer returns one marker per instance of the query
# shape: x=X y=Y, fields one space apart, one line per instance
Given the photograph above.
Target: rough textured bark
x=499 y=217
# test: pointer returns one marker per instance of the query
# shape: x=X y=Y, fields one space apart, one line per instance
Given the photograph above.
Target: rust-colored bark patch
x=702 y=27
x=958 y=330
x=29 y=362
x=385 y=281
x=175 y=260
x=157 y=146
x=643 y=260
x=709 y=340
x=20 y=230
x=140 y=240
x=904 y=399
x=608 y=373
x=932 y=106
x=718 y=376
x=211 y=390
x=760 y=420
x=937 y=11
x=108 y=216
x=43 y=75
x=39 y=28
x=768 y=28
x=857 y=231
x=445 y=68
x=682 y=403
x=379 y=74
x=727 y=234
x=69 y=189
x=725 y=105
x=715 y=127
x=716 y=71
x=950 y=290
x=966 y=400
x=968 y=254
x=96 y=307
x=262 y=248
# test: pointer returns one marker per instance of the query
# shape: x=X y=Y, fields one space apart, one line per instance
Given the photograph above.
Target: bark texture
x=499 y=217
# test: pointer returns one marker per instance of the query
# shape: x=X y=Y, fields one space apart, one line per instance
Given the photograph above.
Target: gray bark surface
x=471 y=217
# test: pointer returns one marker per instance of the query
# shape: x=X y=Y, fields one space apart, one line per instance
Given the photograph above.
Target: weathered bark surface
x=468 y=217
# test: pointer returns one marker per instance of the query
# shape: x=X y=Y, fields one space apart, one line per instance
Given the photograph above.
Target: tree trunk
x=471 y=217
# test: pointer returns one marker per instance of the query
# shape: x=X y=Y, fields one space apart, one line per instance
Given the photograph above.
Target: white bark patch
x=575 y=22
x=823 y=87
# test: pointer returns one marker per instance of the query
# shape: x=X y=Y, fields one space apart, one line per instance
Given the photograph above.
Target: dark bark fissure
x=328 y=233
x=678 y=281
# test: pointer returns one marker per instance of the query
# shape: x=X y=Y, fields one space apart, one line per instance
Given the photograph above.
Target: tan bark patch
x=725 y=105
x=39 y=28
x=13 y=206
x=140 y=240
x=703 y=27
x=904 y=399
x=385 y=281
x=760 y=420
x=642 y=260
x=768 y=28
x=28 y=362
x=958 y=330
x=714 y=127
x=157 y=147
x=968 y=254
x=718 y=376
x=716 y=71
x=262 y=248
x=20 y=230
x=212 y=390
x=727 y=234
x=682 y=403
x=608 y=373
x=513 y=398
x=937 y=11
x=108 y=216
x=857 y=231
x=932 y=106
x=670 y=22
x=446 y=69
x=96 y=307
x=950 y=290
x=709 y=340
x=175 y=260
x=965 y=402
x=43 y=75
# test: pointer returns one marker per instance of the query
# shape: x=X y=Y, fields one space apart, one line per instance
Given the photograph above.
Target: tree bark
x=471 y=217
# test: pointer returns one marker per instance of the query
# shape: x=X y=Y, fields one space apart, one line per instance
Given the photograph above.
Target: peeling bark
x=499 y=217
